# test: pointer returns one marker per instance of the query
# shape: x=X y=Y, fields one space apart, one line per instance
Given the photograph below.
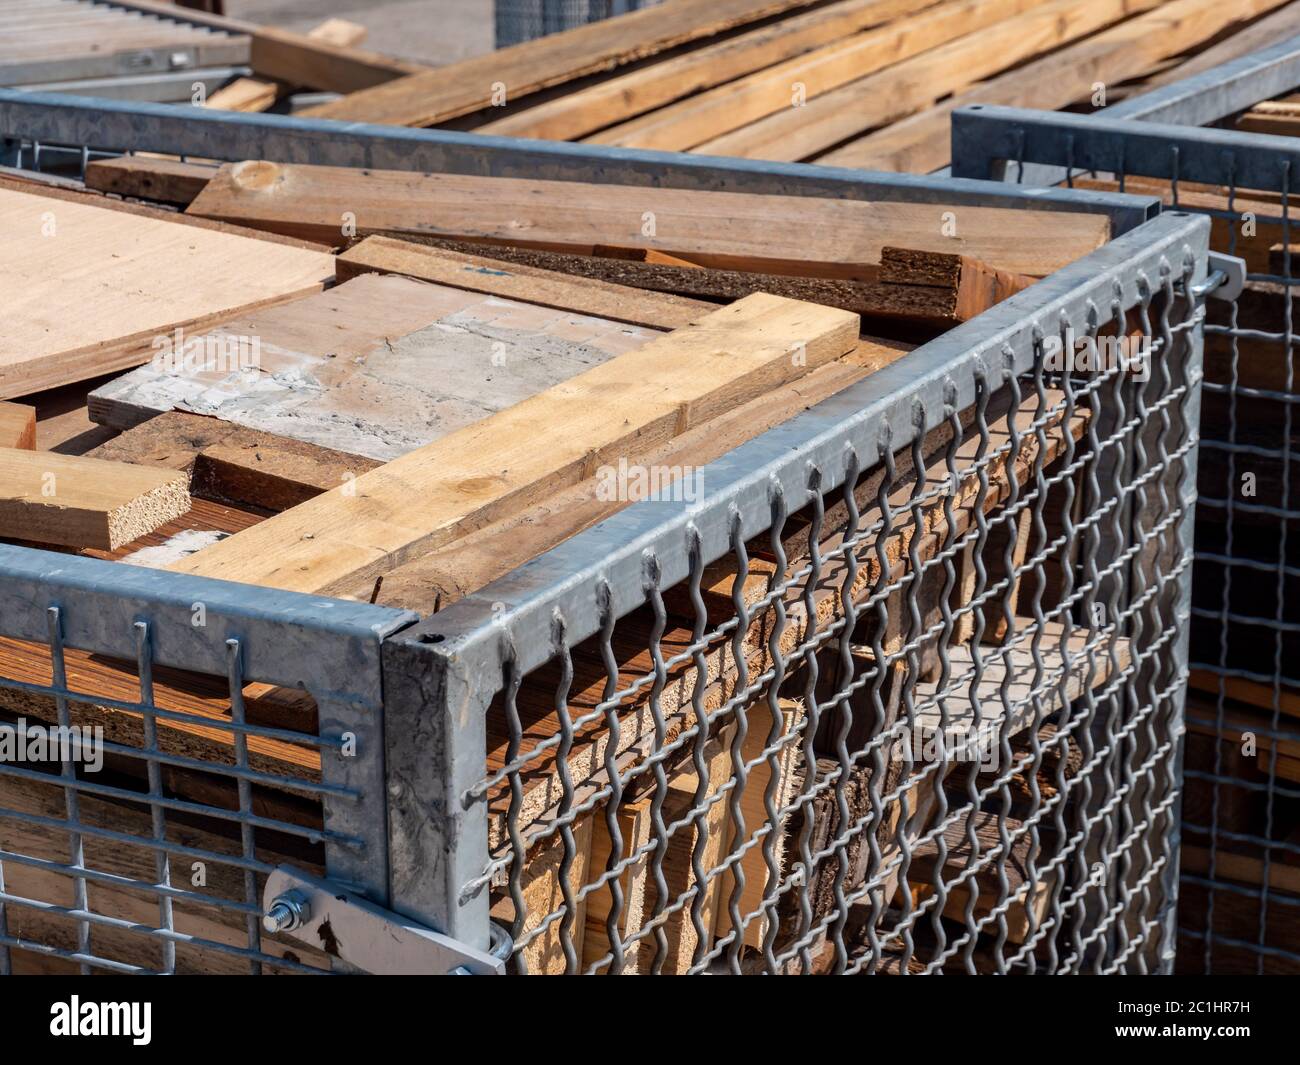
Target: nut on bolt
x=289 y=911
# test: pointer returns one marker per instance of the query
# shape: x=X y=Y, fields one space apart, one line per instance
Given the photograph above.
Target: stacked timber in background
x=860 y=83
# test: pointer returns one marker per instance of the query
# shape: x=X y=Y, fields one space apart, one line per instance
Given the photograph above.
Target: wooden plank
x=512 y=73
x=1271 y=117
x=1241 y=868
x=904 y=297
x=318 y=64
x=553 y=440
x=377 y=366
x=808 y=236
x=257 y=94
x=708 y=115
x=149 y=178
x=961 y=287
x=1247 y=691
x=17 y=426
x=770 y=752
x=1130 y=49
x=134 y=284
x=617 y=99
x=81 y=502
x=634 y=828
x=544 y=893
x=1263 y=32
x=437 y=579
x=919 y=82
x=1254 y=245
x=546 y=288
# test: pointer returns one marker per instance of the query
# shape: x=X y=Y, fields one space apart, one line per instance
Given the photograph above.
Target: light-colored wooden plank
x=550 y=441
x=512 y=73
x=17 y=426
x=89 y=289
x=918 y=82
x=437 y=579
x=81 y=502
x=811 y=236
x=708 y=115
x=1132 y=48
x=546 y=288
x=618 y=99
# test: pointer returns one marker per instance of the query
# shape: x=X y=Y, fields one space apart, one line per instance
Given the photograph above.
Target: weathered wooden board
x=378 y=366
x=89 y=289
x=810 y=236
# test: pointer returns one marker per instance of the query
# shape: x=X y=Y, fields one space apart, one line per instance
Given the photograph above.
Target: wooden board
x=149 y=178
x=947 y=290
x=777 y=234
x=379 y=366
x=476 y=273
x=524 y=68
x=316 y=62
x=548 y=442
x=90 y=289
x=17 y=426
x=1130 y=49
x=80 y=502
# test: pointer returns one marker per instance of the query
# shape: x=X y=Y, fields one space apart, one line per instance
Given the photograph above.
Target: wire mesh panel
x=894 y=688
x=1241 y=817
x=165 y=743
x=523 y=20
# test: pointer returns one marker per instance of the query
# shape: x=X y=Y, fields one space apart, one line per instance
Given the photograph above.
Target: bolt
x=289 y=911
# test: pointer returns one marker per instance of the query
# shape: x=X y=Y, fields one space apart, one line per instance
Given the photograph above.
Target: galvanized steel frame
x=1164 y=134
x=327 y=647
x=125 y=126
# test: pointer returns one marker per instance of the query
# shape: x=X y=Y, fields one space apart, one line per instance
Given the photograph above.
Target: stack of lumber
x=431 y=375
x=860 y=83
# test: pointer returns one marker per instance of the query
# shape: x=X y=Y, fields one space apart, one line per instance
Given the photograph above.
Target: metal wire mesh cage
x=1241 y=820
x=905 y=700
x=896 y=686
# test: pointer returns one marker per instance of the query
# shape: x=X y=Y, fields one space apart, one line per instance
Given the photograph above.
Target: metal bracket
x=349 y=927
x=1224 y=279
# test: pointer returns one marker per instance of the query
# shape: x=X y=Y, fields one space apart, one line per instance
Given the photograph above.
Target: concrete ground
x=424 y=31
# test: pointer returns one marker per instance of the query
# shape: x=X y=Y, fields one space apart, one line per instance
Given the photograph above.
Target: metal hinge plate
x=349 y=927
x=1225 y=278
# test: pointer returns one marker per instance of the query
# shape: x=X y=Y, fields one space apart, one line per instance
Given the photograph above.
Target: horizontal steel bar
x=127 y=125
x=286 y=638
x=1219 y=92
x=984 y=133
x=522 y=604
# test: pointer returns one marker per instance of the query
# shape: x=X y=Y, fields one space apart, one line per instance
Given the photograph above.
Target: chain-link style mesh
x=924 y=719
